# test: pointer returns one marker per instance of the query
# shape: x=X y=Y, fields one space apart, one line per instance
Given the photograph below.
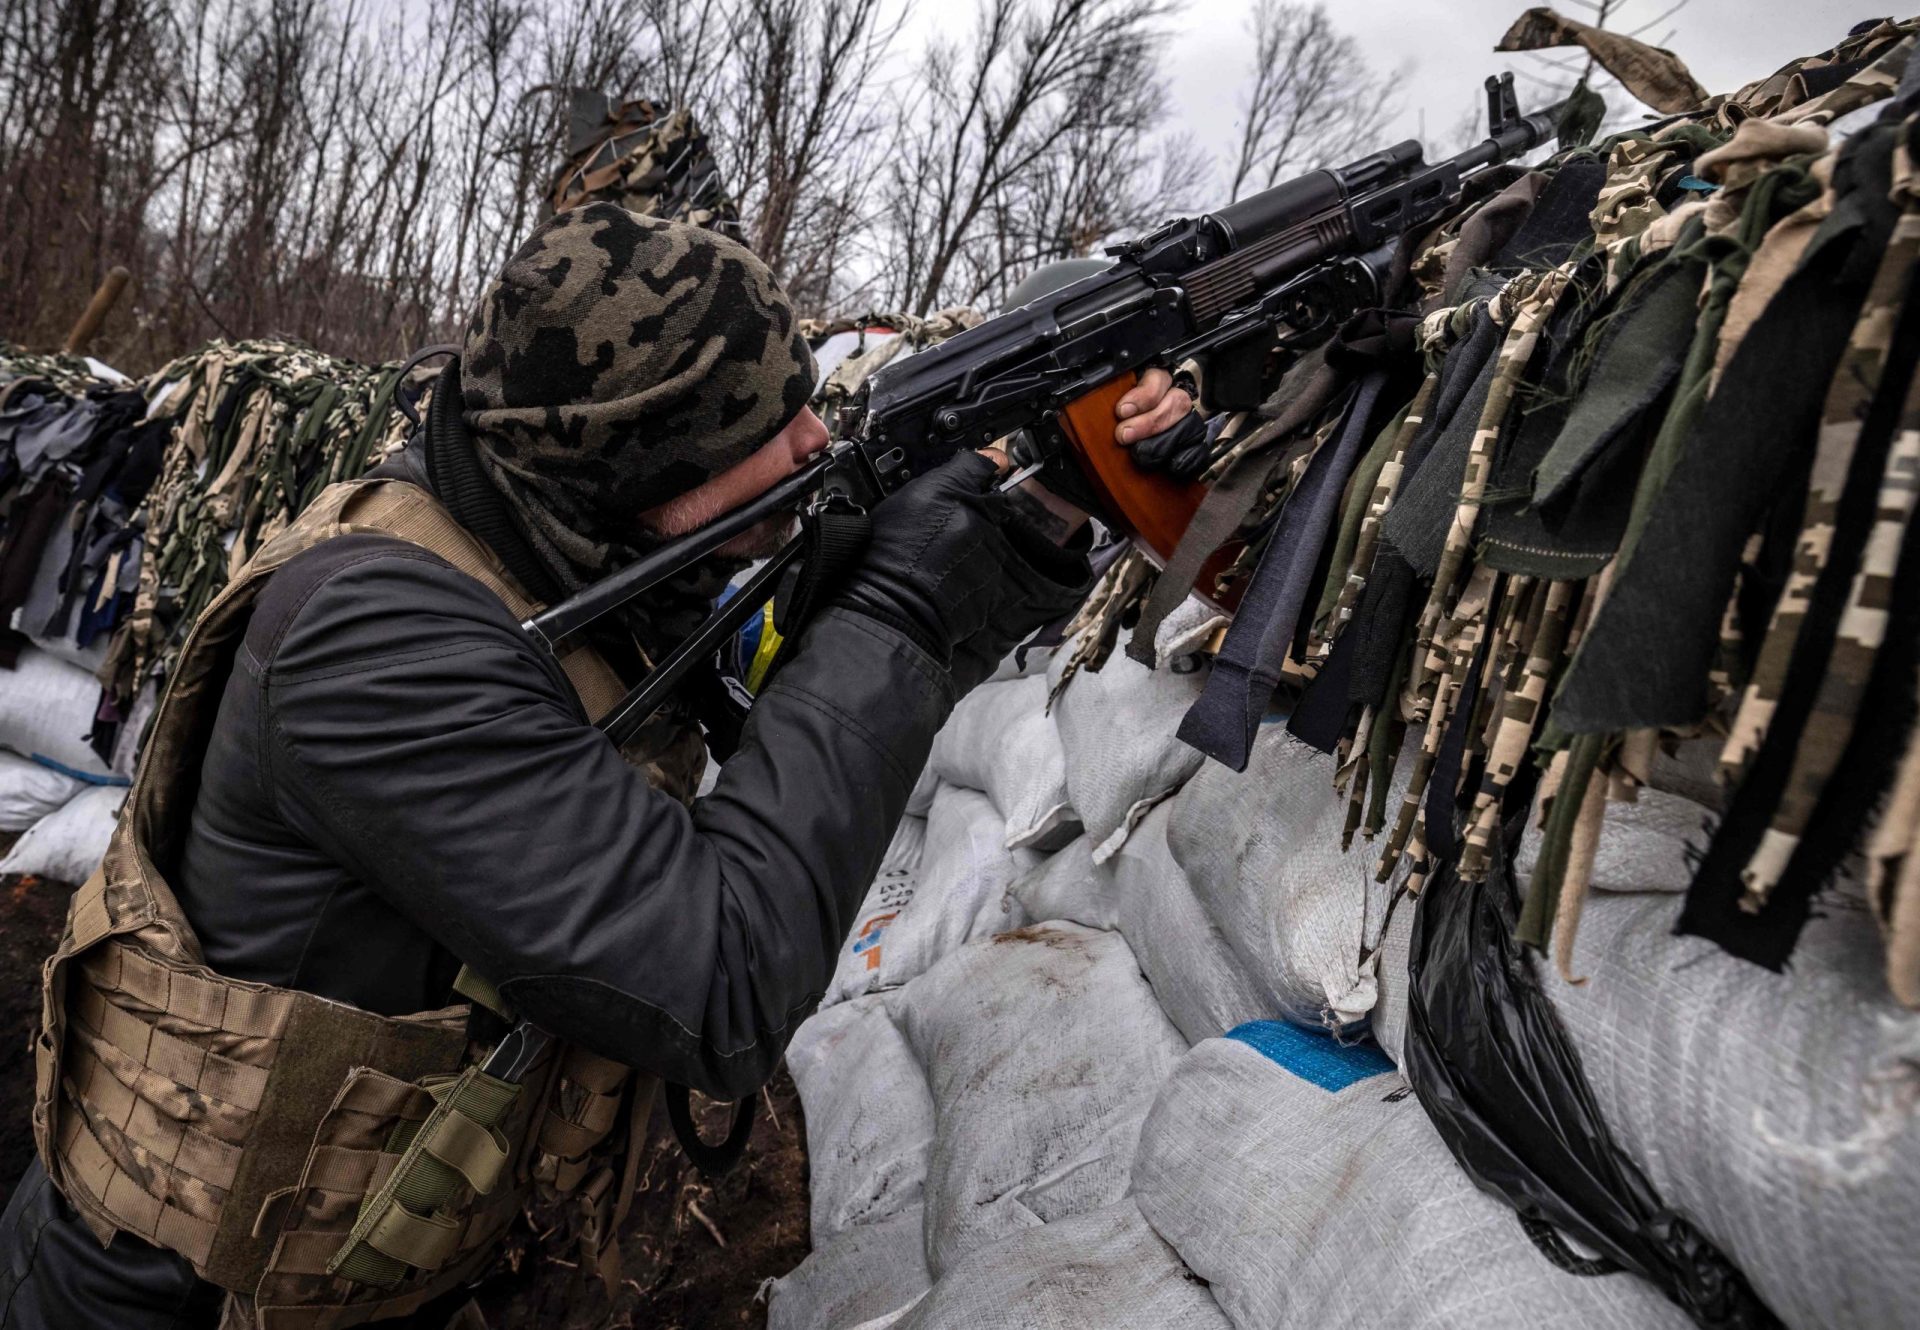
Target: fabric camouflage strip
x=651 y=161
x=617 y=362
x=1851 y=388
x=1653 y=74
x=1863 y=623
x=259 y=428
x=1522 y=307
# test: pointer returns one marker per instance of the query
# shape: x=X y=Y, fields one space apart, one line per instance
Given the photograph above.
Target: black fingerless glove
x=1182 y=450
x=954 y=567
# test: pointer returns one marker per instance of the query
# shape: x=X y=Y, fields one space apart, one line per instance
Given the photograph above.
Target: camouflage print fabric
x=645 y=158
x=1385 y=487
x=1653 y=74
x=1852 y=387
x=1540 y=642
x=259 y=429
x=620 y=361
x=1789 y=86
x=1862 y=628
x=1523 y=307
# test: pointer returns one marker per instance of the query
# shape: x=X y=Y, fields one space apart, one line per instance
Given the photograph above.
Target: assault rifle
x=1285 y=267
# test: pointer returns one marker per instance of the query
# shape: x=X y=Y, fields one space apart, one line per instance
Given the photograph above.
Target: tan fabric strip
x=592 y=1072
x=423 y=1242
x=471 y=1150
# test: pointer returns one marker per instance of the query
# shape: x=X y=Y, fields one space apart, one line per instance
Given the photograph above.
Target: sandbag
x=1776 y=1112
x=869 y=1116
x=46 y=710
x=30 y=791
x=1197 y=978
x=1001 y=741
x=1262 y=850
x=1389 y=1026
x=1306 y=1185
x=958 y=891
x=68 y=844
x=1643 y=844
x=1042 y=1048
x=862 y=1275
x=858 y=969
x=1117 y=729
x=1106 y=1269
x=1069 y=885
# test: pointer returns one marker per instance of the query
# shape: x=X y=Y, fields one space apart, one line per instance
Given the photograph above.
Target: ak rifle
x=1284 y=267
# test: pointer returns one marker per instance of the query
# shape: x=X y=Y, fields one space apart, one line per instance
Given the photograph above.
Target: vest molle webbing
x=328 y=1165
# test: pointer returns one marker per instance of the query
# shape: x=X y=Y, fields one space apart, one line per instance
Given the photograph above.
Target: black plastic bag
x=1496 y=1072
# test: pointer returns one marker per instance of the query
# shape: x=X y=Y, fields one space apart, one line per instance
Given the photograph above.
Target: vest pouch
x=407 y=1188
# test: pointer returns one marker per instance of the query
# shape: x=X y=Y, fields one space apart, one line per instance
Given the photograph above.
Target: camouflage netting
x=645 y=157
x=1637 y=473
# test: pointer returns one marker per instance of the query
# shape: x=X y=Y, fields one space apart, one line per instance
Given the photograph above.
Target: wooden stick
x=96 y=311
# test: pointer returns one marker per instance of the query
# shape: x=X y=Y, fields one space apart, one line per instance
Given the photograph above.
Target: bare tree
x=1312 y=101
x=1034 y=84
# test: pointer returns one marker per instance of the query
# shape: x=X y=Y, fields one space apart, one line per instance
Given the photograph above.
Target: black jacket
x=398 y=782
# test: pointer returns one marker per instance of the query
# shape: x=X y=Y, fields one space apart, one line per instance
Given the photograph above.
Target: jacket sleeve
x=413 y=732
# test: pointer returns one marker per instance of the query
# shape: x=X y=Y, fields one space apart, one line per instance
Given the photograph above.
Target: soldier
x=365 y=787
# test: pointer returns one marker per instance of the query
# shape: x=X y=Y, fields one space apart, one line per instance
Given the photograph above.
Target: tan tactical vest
x=327 y=1165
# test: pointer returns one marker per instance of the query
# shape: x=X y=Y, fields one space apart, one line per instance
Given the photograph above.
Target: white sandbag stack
x=1197 y=977
x=1262 y=852
x=955 y=892
x=894 y=887
x=1042 y=1049
x=867 y=1275
x=68 y=844
x=1104 y=1269
x=46 y=709
x=1303 y=1181
x=1001 y=742
x=1779 y=1113
x=868 y=1111
x=1117 y=729
x=30 y=790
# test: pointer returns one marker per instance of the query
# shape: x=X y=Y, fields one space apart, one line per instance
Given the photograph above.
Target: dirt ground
x=696 y=1250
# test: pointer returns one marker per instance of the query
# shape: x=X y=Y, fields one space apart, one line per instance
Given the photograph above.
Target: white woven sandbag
x=30 y=791
x=861 y=1276
x=1117 y=729
x=1197 y=978
x=920 y=797
x=1779 y=1113
x=1043 y=1048
x=1069 y=885
x=68 y=844
x=956 y=889
x=1308 y=1187
x=1001 y=741
x=1390 y=1012
x=46 y=710
x=869 y=1116
x=858 y=969
x=1106 y=1269
x=1262 y=850
x=1013 y=667
x=1643 y=844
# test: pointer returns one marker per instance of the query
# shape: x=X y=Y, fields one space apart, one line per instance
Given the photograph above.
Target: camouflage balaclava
x=620 y=361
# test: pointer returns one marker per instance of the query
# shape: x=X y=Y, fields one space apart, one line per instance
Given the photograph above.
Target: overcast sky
x=1445 y=48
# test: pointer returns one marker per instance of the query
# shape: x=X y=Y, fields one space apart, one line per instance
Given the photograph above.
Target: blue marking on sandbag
x=87 y=776
x=1313 y=1055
